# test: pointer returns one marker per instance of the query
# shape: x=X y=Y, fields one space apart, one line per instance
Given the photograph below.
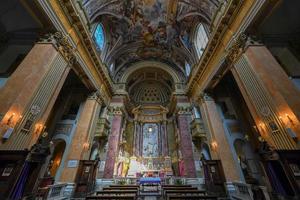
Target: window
x=99 y=36
x=187 y=68
x=197 y=112
x=111 y=67
x=201 y=40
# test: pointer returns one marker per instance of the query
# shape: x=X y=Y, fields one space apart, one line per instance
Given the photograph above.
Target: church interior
x=150 y=99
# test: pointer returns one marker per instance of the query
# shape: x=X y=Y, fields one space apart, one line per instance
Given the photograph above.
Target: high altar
x=150 y=153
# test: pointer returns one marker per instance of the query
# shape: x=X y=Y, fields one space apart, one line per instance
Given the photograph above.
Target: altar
x=150 y=154
x=150 y=167
x=150 y=184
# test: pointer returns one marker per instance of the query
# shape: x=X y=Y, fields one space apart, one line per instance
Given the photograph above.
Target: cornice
x=220 y=30
x=235 y=45
x=74 y=21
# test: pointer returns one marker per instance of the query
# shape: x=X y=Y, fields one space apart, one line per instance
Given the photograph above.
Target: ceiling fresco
x=149 y=29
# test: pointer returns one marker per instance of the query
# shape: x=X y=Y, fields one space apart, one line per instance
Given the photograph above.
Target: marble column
x=270 y=95
x=140 y=142
x=113 y=142
x=29 y=95
x=165 y=145
x=184 y=119
x=82 y=139
x=137 y=138
x=220 y=147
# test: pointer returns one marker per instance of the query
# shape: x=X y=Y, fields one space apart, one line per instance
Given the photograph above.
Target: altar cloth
x=145 y=180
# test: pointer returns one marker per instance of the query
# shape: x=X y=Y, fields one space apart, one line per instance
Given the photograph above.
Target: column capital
x=183 y=110
x=240 y=44
x=205 y=97
x=63 y=45
x=96 y=96
x=236 y=48
x=114 y=110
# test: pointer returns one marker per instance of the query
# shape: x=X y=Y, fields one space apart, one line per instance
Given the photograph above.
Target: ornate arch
x=151 y=64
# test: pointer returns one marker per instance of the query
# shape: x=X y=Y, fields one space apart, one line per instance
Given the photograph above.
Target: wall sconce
x=150 y=129
x=214 y=145
x=290 y=119
x=86 y=145
x=262 y=125
x=39 y=128
x=20 y=117
x=10 y=119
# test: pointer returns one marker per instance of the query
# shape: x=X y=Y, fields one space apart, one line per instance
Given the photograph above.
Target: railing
x=245 y=191
x=196 y=182
x=56 y=191
x=242 y=191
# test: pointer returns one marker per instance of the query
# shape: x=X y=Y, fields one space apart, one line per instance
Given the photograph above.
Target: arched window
x=111 y=67
x=99 y=37
x=201 y=40
x=197 y=112
x=187 y=68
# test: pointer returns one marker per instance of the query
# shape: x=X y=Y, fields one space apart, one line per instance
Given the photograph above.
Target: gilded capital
x=96 y=96
x=115 y=110
x=205 y=97
x=183 y=110
x=62 y=44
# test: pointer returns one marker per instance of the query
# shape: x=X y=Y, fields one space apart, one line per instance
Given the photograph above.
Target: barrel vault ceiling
x=138 y=30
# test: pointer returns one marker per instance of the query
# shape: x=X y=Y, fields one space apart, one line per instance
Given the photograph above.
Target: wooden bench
x=104 y=197
x=120 y=188
x=178 y=186
x=196 y=192
x=117 y=192
x=125 y=186
x=179 y=190
x=190 y=197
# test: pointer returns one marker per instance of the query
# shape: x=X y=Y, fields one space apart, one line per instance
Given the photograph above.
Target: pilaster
x=270 y=96
x=117 y=113
x=216 y=136
x=184 y=118
x=29 y=95
x=80 y=146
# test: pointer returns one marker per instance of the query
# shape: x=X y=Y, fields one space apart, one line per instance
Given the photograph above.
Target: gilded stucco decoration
x=150 y=29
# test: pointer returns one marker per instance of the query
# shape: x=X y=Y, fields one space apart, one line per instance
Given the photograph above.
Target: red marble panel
x=186 y=145
x=113 y=142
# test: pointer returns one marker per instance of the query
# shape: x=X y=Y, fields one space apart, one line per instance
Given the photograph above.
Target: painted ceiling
x=158 y=30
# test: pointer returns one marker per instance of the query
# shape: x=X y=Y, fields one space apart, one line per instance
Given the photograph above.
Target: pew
x=177 y=186
x=119 y=188
x=167 y=193
x=117 y=192
x=125 y=186
x=179 y=190
x=109 y=197
x=190 y=197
